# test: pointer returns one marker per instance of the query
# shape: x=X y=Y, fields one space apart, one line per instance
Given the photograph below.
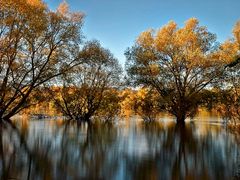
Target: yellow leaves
x=187 y=36
x=236 y=32
x=188 y=44
x=31 y=7
x=191 y=24
x=28 y=15
x=165 y=36
x=146 y=39
x=195 y=58
x=63 y=8
x=228 y=52
x=168 y=29
x=154 y=69
x=141 y=93
x=36 y=3
x=170 y=37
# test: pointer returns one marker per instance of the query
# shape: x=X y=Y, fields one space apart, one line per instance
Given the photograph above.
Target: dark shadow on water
x=56 y=150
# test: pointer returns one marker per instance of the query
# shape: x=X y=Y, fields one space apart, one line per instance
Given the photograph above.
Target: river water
x=128 y=149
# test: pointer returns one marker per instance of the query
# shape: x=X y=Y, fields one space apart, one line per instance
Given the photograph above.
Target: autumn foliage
x=36 y=45
x=174 y=69
x=179 y=63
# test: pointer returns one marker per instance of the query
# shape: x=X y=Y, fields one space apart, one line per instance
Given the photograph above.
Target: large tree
x=178 y=62
x=90 y=89
x=229 y=89
x=36 y=45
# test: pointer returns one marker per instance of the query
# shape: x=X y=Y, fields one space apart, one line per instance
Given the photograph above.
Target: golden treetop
x=229 y=50
x=236 y=32
x=63 y=10
x=179 y=44
x=36 y=3
x=191 y=43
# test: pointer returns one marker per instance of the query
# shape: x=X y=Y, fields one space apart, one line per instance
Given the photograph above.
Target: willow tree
x=36 y=45
x=178 y=63
x=89 y=90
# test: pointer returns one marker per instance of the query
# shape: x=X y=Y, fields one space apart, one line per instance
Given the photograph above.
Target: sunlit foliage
x=89 y=89
x=36 y=45
x=229 y=87
x=178 y=63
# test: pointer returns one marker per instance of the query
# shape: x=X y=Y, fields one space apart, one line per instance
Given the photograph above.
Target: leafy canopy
x=178 y=62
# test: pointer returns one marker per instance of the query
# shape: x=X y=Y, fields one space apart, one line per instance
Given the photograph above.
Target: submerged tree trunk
x=181 y=116
x=180 y=121
x=84 y=119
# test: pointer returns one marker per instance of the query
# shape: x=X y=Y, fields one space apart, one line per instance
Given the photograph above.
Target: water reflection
x=55 y=150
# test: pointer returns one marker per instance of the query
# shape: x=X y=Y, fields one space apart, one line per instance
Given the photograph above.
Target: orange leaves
x=146 y=39
x=63 y=8
x=165 y=37
x=236 y=32
x=185 y=44
x=196 y=57
x=191 y=24
x=29 y=6
x=170 y=37
x=25 y=15
x=228 y=51
x=159 y=41
x=187 y=36
x=36 y=3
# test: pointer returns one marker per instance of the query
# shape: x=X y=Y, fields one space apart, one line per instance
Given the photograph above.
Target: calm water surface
x=130 y=149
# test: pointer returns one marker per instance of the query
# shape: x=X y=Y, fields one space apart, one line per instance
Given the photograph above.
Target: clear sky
x=117 y=23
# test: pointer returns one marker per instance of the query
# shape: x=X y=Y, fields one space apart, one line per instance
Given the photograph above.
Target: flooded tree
x=36 y=45
x=90 y=89
x=178 y=63
x=228 y=104
x=146 y=104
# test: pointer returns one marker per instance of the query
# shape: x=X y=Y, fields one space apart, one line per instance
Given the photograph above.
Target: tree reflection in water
x=52 y=150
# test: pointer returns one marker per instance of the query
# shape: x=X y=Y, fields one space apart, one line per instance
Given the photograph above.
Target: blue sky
x=117 y=23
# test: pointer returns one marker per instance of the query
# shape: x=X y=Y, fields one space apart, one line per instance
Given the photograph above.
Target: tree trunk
x=181 y=118
x=85 y=118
